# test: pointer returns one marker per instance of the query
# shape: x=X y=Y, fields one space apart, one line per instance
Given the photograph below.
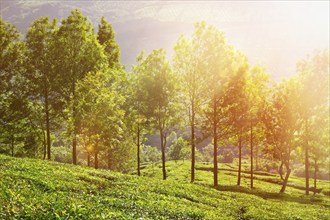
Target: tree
x=217 y=63
x=178 y=149
x=236 y=102
x=319 y=141
x=150 y=154
x=281 y=122
x=78 y=53
x=100 y=114
x=187 y=65
x=16 y=130
x=258 y=92
x=106 y=37
x=159 y=89
x=39 y=41
x=314 y=95
x=137 y=119
x=10 y=54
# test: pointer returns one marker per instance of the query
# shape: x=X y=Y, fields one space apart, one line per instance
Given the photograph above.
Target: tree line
x=62 y=86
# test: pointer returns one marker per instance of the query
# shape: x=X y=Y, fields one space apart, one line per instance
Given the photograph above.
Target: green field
x=36 y=189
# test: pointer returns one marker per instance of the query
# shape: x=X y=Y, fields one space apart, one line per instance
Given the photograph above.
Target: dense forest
x=65 y=96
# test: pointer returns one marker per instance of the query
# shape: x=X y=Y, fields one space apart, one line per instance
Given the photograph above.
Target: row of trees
x=64 y=85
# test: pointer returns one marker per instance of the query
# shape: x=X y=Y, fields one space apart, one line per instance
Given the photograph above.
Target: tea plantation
x=37 y=189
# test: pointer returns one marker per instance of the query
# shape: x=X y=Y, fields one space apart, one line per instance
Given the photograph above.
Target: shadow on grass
x=273 y=195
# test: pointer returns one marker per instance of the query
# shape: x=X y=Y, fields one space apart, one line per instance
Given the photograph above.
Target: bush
x=62 y=154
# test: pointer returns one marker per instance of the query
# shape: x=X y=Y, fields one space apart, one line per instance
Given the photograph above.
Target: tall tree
x=216 y=60
x=314 y=95
x=236 y=101
x=100 y=114
x=39 y=41
x=137 y=108
x=159 y=88
x=258 y=94
x=281 y=121
x=78 y=53
x=15 y=126
x=319 y=141
x=186 y=63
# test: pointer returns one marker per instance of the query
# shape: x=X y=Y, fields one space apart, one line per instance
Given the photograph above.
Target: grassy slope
x=36 y=189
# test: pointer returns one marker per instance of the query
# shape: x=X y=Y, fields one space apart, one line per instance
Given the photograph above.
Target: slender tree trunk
x=74 y=138
x=239 y=161
x=280 y=170
x=138 y=151
x=96 y=161
x=163 y=153
x=306 y=160
x=109 y=159
x=193 y=141
x=44 y=143
x=257 y=157
x=315 y=172
x=285 y=181
x=47 y=125
x=307 y=170
x=88 y=159
x=12 y=146
x=251 y=153
x=215 y=142
x=74 y=149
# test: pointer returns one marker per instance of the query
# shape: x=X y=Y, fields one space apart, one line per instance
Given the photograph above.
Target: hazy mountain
x=274 y=34
x=135 y=32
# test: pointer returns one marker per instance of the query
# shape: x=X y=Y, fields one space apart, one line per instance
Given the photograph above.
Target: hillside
x=36 y=189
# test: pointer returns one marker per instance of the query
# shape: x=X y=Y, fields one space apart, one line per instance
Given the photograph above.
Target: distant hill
x=274 y=34
x=133 y=33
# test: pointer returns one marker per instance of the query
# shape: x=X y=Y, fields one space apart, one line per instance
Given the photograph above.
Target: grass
x=36 y=189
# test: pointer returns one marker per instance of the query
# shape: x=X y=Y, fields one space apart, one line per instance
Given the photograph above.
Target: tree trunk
x=44 y=143
x=315 y=172
x=306 y=160
x=215 y=142
x=239 y=161
x=163 y=153
x=74 y=139
x=88 y=159
x=12 y=146
x=193 y=141
x=307 y=170
x=47 y=125
x=251 y=154
x=280 y=170
x=286 y=177
x=96 y=161
x=138 y=151
x=257 y=157
x=109 y=159
x=74 y=149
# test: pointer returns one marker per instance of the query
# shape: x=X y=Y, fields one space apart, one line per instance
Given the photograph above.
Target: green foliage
x=78 y=53
x=158 y=94
x=40 y=41
x=19 y=133
x=159 y=89
x=106 y=37
x=150 y=154
x=179 y=149
x=281 y=121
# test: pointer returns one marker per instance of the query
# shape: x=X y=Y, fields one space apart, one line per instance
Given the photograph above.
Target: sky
x=275 y=34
